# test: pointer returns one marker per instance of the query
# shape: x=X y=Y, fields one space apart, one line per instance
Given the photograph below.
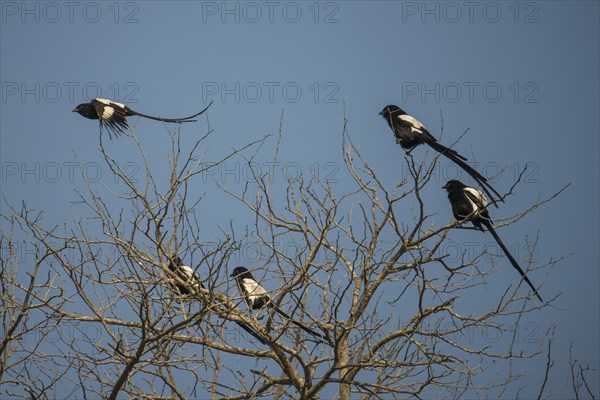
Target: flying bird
x=256 y=297
x=410 y=133
x=470 y=204
x=113 y=115
x=192 y=281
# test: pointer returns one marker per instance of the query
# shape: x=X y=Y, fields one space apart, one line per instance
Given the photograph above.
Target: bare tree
x=366 y=267
x=26 y=290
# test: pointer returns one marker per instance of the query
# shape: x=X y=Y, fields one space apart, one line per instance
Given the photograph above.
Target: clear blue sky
x=523 y=77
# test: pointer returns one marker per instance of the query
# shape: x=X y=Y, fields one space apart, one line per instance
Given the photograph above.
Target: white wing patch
x=412 y=121
x=191 y=276
x=479 y=196
x=254 y=290
x=187 y=271
x=110 y=103
x=110 y=108
x=107 y=112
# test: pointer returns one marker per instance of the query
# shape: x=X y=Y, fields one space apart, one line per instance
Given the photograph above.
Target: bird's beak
x=381 y=113
x=445 y=186
x=74 y=110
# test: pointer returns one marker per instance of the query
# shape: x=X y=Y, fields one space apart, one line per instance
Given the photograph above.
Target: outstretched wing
x=112 y=116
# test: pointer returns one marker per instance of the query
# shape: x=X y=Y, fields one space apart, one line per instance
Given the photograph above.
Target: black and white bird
x=185 y=274
x=470 y=204
x=193 y=282
x=410 y=133
x=256 y=297
x=113 y=115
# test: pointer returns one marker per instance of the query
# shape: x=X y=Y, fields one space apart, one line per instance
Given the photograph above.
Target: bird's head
x=175 y=263
x=79 y=107
x=241 y=272
x=391 y=110
x=86 y=110
x=453 y=185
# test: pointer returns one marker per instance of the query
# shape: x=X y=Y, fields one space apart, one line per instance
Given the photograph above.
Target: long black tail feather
x=460 y=161
x=302 y=326
x=251 y=331
x=511 y=258
x=173 y=120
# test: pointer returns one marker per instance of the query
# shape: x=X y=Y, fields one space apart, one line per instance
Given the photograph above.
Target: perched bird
x=185 y=274
x=256 y=296
x=470 y=204
x=192 y=281
x=410 y=133
x=113 y=115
